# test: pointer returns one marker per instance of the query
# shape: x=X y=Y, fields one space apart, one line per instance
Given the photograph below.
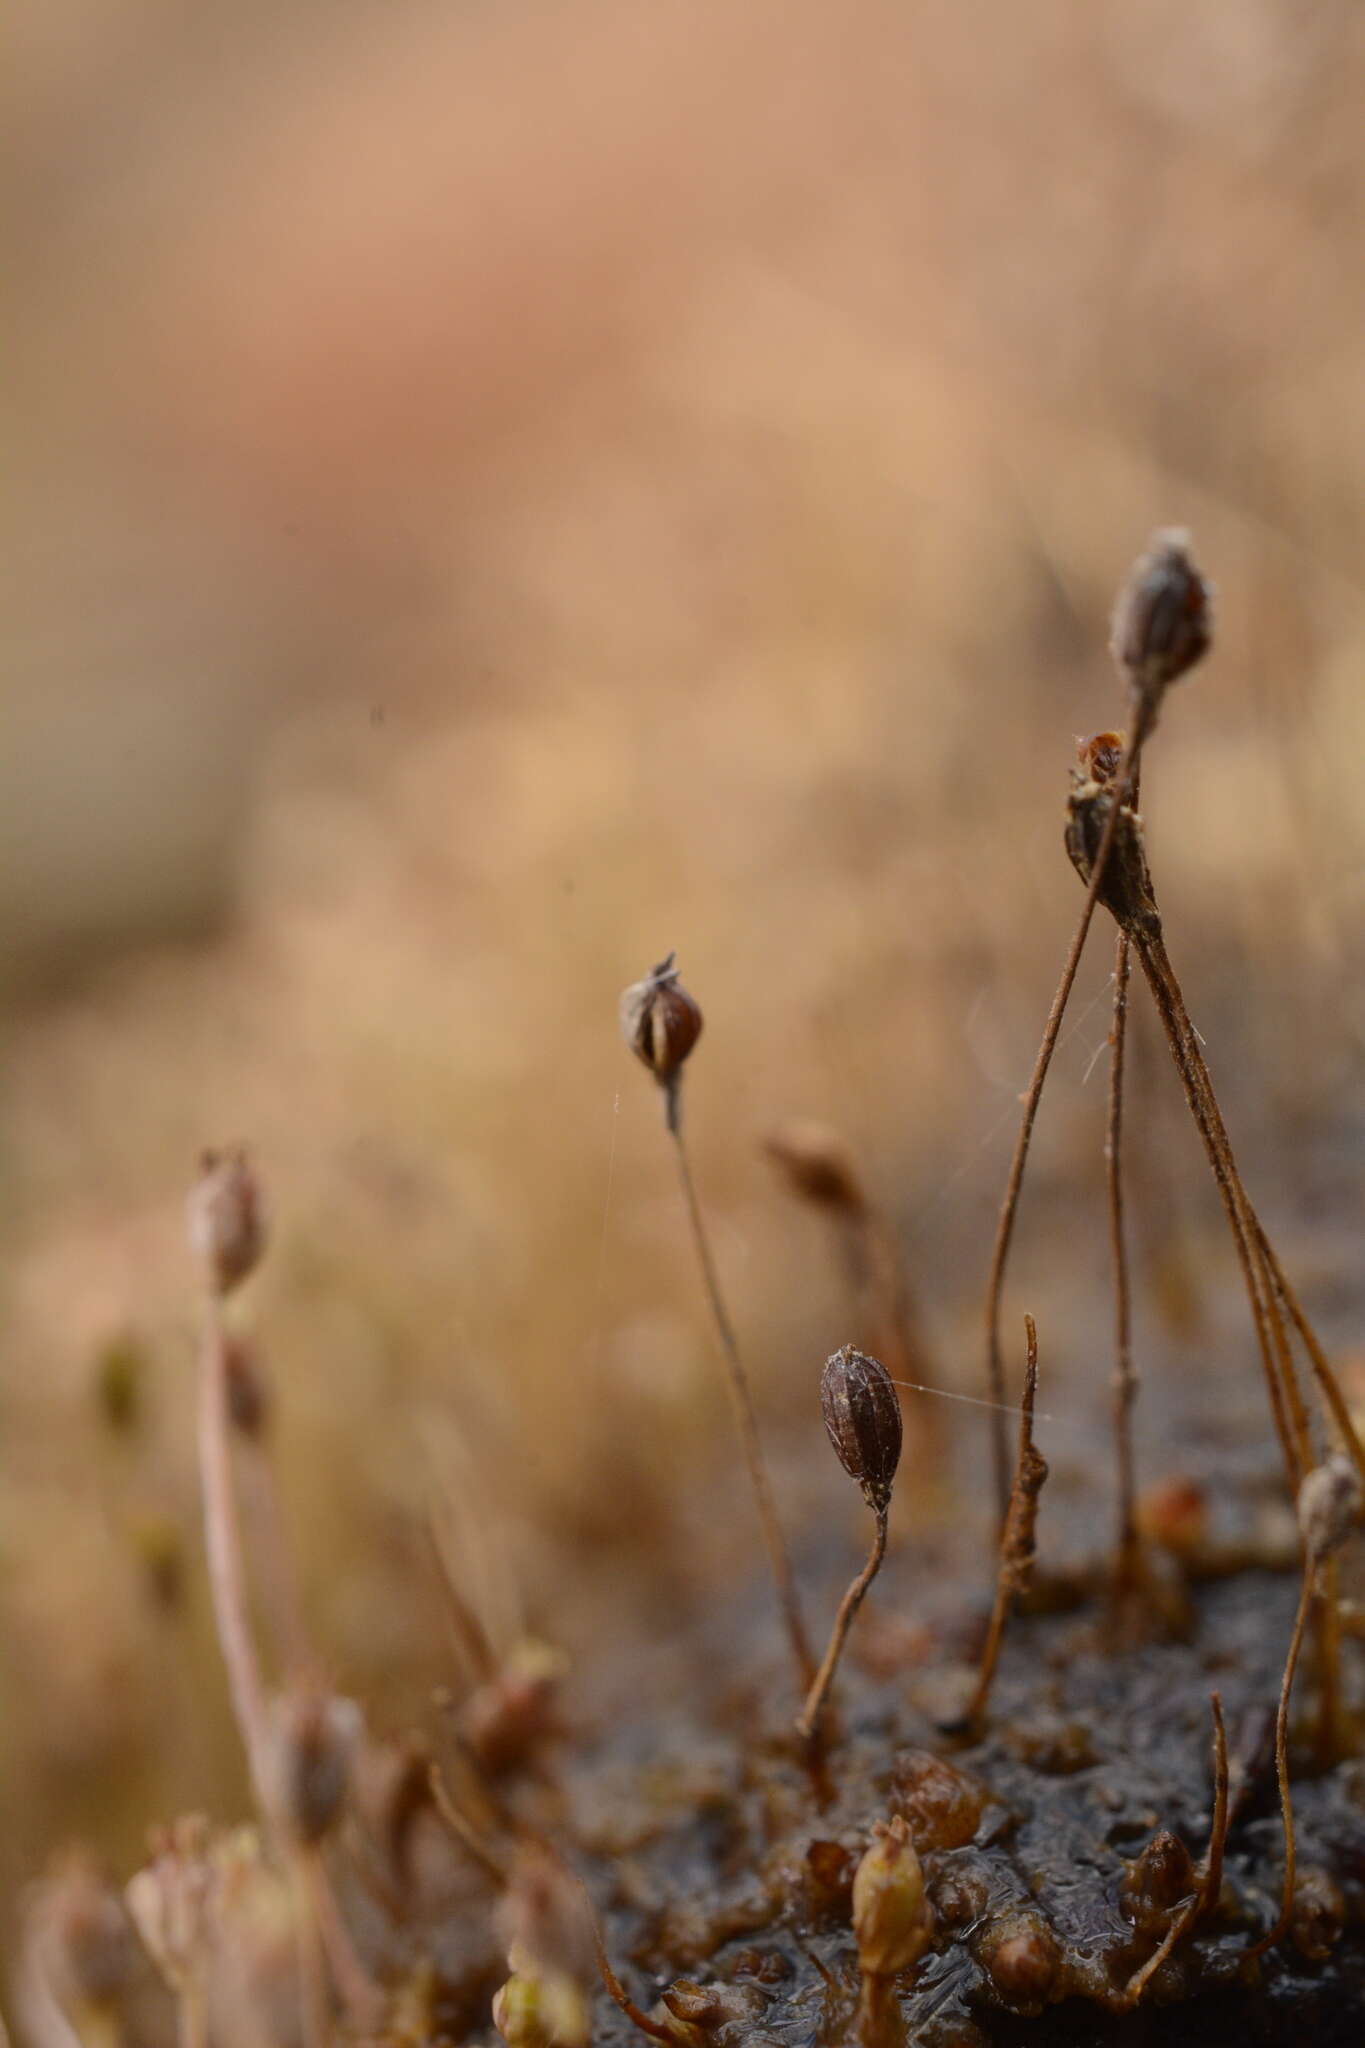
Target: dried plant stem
x=617 y=1989
x=1128 y=1554
x=747 y=1420
x=463 y=1829
x=191 y=2019
x=1017 y=1537
x=276 y=1581
x=1205 y=1897
x=809 y=1716
x=223 y=1545
x=357 y=1988
x=1281 y=1926
x=314 y=2006
x=880 y=2023
x=1317 y=1358
x=1328 y=1736
x=227 y=1581
x=1281 y=1383
x=1004 y=1232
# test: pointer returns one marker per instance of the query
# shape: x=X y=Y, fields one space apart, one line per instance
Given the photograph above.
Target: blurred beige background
x=495 y=493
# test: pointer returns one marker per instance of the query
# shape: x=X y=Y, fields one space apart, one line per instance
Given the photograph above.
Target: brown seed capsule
x=1162 y=621
x=863 y=1422
x=1155 y=1882
x=1329 y=1506
x=659 y=1021
x=818 y=1167
x=315 y=1736
x=226 y=1218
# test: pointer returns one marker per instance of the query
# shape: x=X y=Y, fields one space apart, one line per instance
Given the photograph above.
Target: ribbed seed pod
x=863 y=1421
x=660 y=1022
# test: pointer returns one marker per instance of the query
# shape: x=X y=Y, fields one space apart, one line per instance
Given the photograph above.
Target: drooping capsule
x=863 y=1421
x=1162 y=621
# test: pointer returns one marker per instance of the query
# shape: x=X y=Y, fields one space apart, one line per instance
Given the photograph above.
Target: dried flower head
x=863 y=1421
x=818 y=1166
x=226 y=1218
x=171 y=1900
x=892 y=1922
x=314 y=1738
x=660 y=1022
x=1329 y=1506
x=1163 y=617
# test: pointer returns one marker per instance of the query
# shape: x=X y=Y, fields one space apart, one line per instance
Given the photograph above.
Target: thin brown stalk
x=1017 y=1542
x=463 y=1829
x=276 y=1580
x=1198 y=1087
x=1281 y=1926
x=746 y=1418
x=315 y=2011
x=1328 y=1384
x=617 y=1989
x=359 y=1993
x=191 y=2018
x=469 y=1631
x=1004 y=1232
x=1128 y=1554
x=223 y=1545
x=1205 y=1897
x=809 y=1717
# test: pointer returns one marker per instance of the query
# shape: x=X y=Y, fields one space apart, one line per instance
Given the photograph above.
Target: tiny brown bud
x=892 y=1923
x=863 y=1421
x=818 y=1167
x=1099 y=755
x=660 y=1022
x=1329 y=1506
x=315 y=1736
x=1157 y=1879
x=942 y=1806
x=226 y=1218
x=1163 y=617
x=1020 y=1957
